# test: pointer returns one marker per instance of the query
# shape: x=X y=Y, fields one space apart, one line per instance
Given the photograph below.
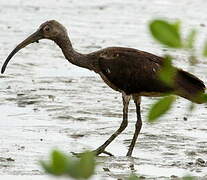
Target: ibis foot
x=96 y=152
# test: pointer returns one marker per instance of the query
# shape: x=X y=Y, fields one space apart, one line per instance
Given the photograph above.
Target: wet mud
x=46 y=102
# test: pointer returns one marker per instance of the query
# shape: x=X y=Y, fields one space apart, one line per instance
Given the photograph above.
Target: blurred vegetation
x=169 y=35
x=160 y=107
x=166 y=33
x=61 y=164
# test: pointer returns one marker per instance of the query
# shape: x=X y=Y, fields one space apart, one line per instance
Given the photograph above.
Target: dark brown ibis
x=130 y=71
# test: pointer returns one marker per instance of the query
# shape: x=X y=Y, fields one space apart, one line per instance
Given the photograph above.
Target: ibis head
x=49 y=30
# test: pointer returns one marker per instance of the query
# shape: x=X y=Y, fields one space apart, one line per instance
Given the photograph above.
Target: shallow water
x=46 y=102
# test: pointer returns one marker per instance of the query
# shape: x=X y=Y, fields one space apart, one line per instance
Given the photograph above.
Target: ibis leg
x=123 y=125
x=138 y=125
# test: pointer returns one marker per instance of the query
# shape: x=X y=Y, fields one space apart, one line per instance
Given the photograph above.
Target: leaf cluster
x=61 y=164
x=169 y=34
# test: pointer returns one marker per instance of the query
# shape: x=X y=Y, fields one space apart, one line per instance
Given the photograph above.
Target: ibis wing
x=131 y=70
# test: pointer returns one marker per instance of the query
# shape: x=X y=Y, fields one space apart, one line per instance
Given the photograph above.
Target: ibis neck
x=71 y=55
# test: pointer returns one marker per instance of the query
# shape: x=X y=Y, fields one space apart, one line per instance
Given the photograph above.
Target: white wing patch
x=108 y=71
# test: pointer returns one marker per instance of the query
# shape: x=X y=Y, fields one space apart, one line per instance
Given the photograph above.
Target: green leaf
x=166 y=33
x=160 y=107
x=176 y=25
x=74 y=169
x=167 y=72
x=205 y=49
x=58 y=164
x=133 y=177
x=188 y=178
x=191 y=39
x=46 y=167
x=87 y=165
x=202 y=98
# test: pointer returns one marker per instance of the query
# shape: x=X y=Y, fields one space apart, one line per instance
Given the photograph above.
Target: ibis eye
x=47 y=29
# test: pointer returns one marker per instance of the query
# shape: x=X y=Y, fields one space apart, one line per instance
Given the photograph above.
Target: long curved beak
x=31 y=39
